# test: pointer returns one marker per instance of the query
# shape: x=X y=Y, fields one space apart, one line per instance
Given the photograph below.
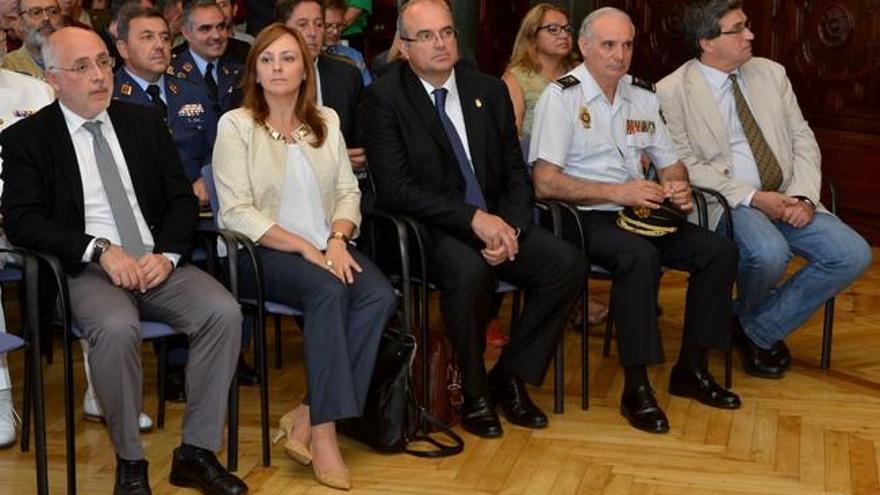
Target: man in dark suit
x=443 y=148
x=339 y=82
x=100 y=186
x=203 y=60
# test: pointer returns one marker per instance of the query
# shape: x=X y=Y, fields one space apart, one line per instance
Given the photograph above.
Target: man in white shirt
x=100 y=186
x=737 y=126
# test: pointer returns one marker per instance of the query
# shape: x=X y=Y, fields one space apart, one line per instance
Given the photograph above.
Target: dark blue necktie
x=472 y=193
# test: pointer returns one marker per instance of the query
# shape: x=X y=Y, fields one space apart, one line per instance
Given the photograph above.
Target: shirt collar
x=75 y=121
x=450 y=86
x=201 y=63
x=717 y=79
x=143 y=83
x=592 y=90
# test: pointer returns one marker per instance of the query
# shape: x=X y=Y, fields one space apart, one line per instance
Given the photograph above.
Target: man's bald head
x=80 y=70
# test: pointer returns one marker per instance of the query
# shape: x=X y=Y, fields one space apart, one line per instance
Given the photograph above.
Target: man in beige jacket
x=738 y=128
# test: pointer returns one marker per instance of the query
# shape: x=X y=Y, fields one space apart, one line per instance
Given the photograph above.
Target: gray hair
x=410 y=3
x=586 y=31
x=189 y=7
x=702 y=21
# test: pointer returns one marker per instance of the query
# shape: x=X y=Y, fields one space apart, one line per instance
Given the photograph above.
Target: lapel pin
x=478 y=103
x=125 y=89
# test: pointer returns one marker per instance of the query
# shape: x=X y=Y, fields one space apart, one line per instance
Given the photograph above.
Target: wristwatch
x=806 y=200
x=338 y=235
x=101 y=245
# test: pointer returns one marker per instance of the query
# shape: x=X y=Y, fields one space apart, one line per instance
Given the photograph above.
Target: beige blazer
x=249 y=168
x=703 y=144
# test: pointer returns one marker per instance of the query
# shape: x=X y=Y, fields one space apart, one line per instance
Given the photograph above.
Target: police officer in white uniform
x=591 y=129
x=20 y=96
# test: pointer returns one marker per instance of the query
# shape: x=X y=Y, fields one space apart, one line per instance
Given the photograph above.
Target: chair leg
x=70 y=421
x=827 y=334
x=263 y=370
x=277 y=341
x=26 y=402
x=232 y=447
x=559 y=377
x=585 y=351
x=609 y=331
x=161 y=366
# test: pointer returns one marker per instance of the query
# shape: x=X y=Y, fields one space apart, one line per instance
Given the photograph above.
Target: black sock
x=634 y=377
x=692 y=358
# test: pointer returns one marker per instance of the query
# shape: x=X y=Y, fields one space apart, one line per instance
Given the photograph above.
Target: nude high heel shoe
x=340 y=479
x=295 y=450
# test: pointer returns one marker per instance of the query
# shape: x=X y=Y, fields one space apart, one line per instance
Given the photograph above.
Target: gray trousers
x=192 y=303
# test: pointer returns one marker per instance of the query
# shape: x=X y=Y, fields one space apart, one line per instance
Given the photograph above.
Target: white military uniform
x=578 y=129
x=20 y=96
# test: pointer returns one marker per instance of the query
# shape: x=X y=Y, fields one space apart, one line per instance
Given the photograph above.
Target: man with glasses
x=334 y=24
x=39 y=19
x=738 y=127
x=98 y=184
x=443 y=148
x=590 y=131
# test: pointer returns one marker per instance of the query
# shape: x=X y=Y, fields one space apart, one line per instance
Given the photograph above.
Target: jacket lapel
x=67 y=164
x=130 y=150
x=475 y=122
x=704 y=103
x=761 y=108
x=424 y=108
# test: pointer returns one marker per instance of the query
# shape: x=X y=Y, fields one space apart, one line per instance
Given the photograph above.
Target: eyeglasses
x=39 y=11
x=334 y=26
x=556 y=29
x=738 y=28
x=83 y=67
x=426 y=36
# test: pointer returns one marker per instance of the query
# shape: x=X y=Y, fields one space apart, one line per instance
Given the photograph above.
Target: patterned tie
x=123 y=214
x=473 y=195
x=153 y=91
x=210 y=82
x=768 y=167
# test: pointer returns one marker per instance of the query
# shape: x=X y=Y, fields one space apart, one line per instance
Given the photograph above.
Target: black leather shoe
x=699 y=384
x=246 y=374
x=131 y=478
x=478 y=417
x=756 y=361
x=175 y=385
x=198 y=468
x=781 y=353
x=641 y=410
x=510 y=393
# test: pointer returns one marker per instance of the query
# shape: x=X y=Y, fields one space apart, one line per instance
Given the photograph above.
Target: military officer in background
x=145 y=45
x=203 y=59
x=590 y=130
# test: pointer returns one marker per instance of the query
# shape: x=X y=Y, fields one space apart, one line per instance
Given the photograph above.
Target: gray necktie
x=123 y=214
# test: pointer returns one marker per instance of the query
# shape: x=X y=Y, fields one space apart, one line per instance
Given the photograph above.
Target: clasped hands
x=780 y=207
x=135 y=274
x=651 y=194
x=501 y=239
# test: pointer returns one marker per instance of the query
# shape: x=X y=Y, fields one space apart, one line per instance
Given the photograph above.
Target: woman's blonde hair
x=525 y=53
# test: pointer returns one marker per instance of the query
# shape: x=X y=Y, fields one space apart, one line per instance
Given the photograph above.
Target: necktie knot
x=94 y=127
x=440 y=98
x=209 y=69
x=153 y=91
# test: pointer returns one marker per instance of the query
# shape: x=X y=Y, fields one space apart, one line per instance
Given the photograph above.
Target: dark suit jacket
x=341 y=89
x=42 y=201
x=414 y=167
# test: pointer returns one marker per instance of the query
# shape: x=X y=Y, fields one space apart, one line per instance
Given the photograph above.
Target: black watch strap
x=806 y=200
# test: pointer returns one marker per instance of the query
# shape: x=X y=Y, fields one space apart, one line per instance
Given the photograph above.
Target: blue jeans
x=768 y=312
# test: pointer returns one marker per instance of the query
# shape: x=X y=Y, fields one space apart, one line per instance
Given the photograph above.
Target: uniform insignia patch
x=173 y=87
x=191 y=110
x=23 y=113
x=125 y=89
x=586 y=119
x=641 y=83
x=181 y=75
x=225 y=71
x=170 y=70
x=187 y=67
x=567 y=81
x=634 y=126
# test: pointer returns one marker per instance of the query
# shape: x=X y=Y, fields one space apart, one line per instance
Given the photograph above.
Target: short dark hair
x=191 y=5
x=134 y=11
x=284 y=8
x=702 y=21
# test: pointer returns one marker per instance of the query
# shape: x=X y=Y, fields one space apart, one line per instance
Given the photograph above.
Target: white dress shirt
x=98 y=215
x=318 y=95
x=745 y=169
x=301 y=210
x=453 y=110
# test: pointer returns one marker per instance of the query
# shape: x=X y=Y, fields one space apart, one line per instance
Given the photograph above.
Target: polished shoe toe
x=782 y=354
x=131 y=477
x=478 y=416
x=756 y=361
x=641 y=410
x=700 y=385
x=195 y=467
x=510 y=393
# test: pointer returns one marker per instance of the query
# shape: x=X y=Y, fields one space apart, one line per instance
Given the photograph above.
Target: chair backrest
x=208 y=175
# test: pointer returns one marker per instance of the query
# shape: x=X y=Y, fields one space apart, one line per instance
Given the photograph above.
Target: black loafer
x=756 y=361
x=510 y=393
x=131 y=477
x=194 y=467
x=641 y=410
x=699 y=384
x=478 y=416
x=781 y=353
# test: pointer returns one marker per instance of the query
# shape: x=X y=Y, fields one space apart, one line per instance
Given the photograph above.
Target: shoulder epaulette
x=568 y=81
x=641 y=83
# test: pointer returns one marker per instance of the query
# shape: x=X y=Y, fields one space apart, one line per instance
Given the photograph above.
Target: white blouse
x=301 y=210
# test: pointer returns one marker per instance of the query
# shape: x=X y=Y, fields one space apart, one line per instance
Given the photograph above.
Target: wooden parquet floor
x=813 y=432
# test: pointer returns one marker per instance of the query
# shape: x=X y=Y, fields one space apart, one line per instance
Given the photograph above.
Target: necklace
x=297 y=134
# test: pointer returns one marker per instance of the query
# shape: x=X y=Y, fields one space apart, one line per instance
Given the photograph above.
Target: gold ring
x=329 y=263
